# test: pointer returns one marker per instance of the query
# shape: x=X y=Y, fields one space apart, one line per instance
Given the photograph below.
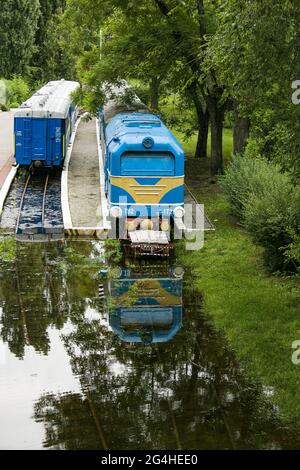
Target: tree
x=184 y=16
x=18 y=26
x=255 y=53
x=52 y=60
x=164 y=39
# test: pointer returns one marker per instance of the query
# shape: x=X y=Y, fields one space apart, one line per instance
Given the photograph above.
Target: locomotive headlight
x=165 y=225
x=148 y=143
x=116 y=212
x=179 y=212
x=146 y=224
x=178 y=272
x=130 y=226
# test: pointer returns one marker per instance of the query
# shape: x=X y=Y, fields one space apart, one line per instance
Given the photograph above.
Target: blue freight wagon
x=44 y=124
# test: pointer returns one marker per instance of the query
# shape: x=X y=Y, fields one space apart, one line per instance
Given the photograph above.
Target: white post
x=101 y=43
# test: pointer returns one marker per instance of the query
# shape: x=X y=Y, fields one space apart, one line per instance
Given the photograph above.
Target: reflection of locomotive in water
x=144 y=164
x=147 y=306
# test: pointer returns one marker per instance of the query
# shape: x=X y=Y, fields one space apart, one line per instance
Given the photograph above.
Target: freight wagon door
x=39 y=139
x=23 y=137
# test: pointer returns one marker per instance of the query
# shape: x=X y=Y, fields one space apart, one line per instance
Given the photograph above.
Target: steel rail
x=22 y=202
x=44 y=200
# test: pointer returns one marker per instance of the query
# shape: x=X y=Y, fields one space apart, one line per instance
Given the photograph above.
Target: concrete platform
x=8 y=168
x=86 y=205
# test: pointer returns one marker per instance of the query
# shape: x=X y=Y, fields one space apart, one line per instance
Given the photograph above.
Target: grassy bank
x=259 y=313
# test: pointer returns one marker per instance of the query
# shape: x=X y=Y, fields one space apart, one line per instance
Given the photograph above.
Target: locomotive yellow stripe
x=147 y=194
x=151 y=288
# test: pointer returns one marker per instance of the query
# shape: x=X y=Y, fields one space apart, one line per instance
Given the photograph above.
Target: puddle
x=125 y=362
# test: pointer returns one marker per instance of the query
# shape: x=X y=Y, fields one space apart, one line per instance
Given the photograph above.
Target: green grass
x=259 y=313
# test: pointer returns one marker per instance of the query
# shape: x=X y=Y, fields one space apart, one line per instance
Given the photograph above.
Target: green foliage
x=17 y=91
x=135 y=47
x=18 y=26
x=292 y=253
x=113 y=250
x=255 y=53
x=268 y=219
x=86 y=266
x=266 y=201
x=53 y=58
x=182 y=121
x=243 y=177
x=293 y=250
x=7 y=249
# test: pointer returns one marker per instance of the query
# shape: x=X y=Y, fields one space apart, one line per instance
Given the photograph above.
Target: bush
x=17 y=90
x=14 y=105
x=268 y=204
x=244 y=177
x=268 y=218
x=292 y=252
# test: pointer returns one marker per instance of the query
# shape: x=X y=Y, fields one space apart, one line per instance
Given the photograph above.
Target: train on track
x=44 y=124
x=144 y=163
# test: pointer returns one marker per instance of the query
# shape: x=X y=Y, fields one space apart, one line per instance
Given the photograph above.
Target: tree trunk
x=154 y=93
x=203 y=121
x=201 y=149
x=216 y=114
x=240 y=133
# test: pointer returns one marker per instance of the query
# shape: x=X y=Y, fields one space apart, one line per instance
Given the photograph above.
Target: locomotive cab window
x=147 y=164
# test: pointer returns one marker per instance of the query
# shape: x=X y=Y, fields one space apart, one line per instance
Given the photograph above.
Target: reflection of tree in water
x=39 y=290
x=187 y=394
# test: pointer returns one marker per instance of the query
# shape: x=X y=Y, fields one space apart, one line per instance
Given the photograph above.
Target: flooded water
x=122 y=360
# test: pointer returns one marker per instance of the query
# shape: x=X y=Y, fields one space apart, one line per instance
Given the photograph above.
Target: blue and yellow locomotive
x=44 y=125
x=144 y=162
x=147 y=307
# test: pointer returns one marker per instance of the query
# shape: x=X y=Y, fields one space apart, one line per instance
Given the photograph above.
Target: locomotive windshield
x=147 y=164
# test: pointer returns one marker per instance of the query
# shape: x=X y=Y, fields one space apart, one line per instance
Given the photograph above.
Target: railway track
x=39 y=214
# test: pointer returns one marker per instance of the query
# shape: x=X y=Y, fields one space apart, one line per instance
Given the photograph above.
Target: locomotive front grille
x=147 y=190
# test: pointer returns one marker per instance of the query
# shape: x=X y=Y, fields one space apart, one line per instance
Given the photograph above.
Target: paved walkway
x=6 y=144
x=83 y=178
